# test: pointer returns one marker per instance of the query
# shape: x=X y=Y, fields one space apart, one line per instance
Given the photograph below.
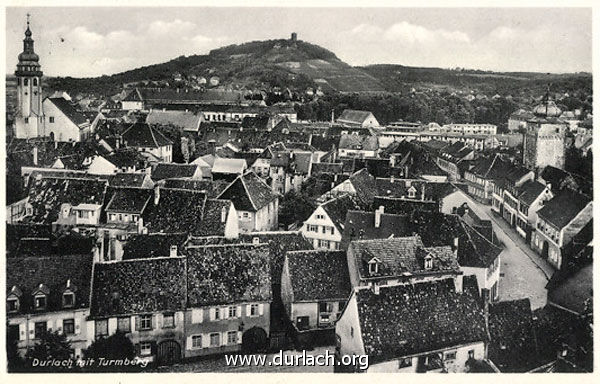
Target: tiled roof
x=129 y=200
x=180 y=119
x=126 y=158
x=359 y=142
x=318 y=275
x=145 y=136
x=236 y=166
x=153 y=245
x=423 y=190
x=338 y=207
x=177 y=211
x=46 y=196
x=563 y=207
x=512 y=346
x=228 y=274
x=69 y=110
x=249 y=193
x=131 y=180
x=574 y=289
x=360 y=225
x=397 y=256
x=529 y=191
x=326 y=168
x=212 y=225
x=173 y=171
x=139 y=286
x=364 y=184
x=27 y=273
x=212 y=187
x=410 y=319
x=353 y=116
x=474 y=249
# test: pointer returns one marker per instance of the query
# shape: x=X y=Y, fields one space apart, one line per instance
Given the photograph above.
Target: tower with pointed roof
x=29 y=119
x=544 y=139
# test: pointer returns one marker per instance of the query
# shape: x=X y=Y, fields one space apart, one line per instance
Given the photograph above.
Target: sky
x=85 y=42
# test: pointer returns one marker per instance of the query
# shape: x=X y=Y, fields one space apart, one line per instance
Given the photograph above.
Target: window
x=27 y=118
x=373 y=267
x=12 y=304
x=112 y=217
x=68 y=299
x=40 y=329
x=215 y=339
x=35 y=82
x=232 y=311
x=102 y=327
x=254 y=310
x=197 y=341
x=312 y=228
x=406 y=362
x=145 y=349
x=145 y=322
x=124 y=324
x=40 y=302
x=428 y=263
x=324 y=243
x=325 y=307
x=320 y=217
x=231 y=337
x=25 y=81
x=341 y=305
x=471 y=353
x=217 y=313
x=168 y=320
x=69 y=326
x=450 y=355
x=351 y=331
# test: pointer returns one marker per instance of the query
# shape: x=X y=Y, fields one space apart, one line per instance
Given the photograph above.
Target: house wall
x=62 y=127
x=101 y=166
x=265 y=219
x=54 y=320
x=232 y=226
x=16 y=211
x=347 y=331
x=311 y=309
x=132 y=105
x=358 y=153
x=317 y=238
x=486 y=277
x=201 y=321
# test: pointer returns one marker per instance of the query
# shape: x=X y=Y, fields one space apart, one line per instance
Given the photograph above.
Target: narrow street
x=522 y=272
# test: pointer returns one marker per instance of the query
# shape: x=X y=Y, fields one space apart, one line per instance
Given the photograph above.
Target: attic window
x=40 y=301
x=373 y=266
x=411 y=192
x=68 y=299
x=12 y=305
x=428 y=262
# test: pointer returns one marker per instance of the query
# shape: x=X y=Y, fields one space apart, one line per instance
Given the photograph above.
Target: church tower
x=544 y=139
x=29 y=119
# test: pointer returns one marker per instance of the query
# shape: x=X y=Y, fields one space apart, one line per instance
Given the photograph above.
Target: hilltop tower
x=29 y=119
x=294 y=37
x=544 y=139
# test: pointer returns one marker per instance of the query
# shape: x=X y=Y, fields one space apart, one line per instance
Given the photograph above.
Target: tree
x=52 y=345
x=115 y=347
x=13 y=358
x=295 y=208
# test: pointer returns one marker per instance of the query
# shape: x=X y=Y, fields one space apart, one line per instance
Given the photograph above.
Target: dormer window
x=373 y=266
x=40 y=302
x=12 y=305
x=411 y=192
x=428 y=262
x=68 y=299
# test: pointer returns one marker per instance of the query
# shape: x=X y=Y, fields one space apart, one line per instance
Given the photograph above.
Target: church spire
x=28 y=60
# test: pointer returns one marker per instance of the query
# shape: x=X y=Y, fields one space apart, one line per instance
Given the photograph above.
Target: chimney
x=35 y=155
x=423 y=192
x=173 y=251
x=375 y=288
x=96 y=253
x=378 y=213
x=156 y=194
x=256 y=240
x=223 y=214
x=294 y=36
x=392 y=179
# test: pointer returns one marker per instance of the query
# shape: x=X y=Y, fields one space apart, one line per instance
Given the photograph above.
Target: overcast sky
x=94 y=41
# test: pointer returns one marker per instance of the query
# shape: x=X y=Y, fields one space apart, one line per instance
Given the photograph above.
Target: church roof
x=69 y=111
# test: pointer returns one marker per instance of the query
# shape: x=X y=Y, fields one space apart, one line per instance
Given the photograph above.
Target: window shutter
x=50 y=325
x=205 y=340
x=22 y=331
x=212 y=313
x=224 y=338
x=154 y=320
x=225 y=313
x=77 y=325
x=239 y=337
x=134 y=323
x=153 y=346
x=138 y=350
x=196 y=315
x=31 y=329
x=261 y=309
x=189 y=343
x=112 y=325
x=248 y=310
x=239 y=311
x=158 y=322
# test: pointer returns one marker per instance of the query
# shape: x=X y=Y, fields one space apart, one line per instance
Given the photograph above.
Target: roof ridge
x=247 y=191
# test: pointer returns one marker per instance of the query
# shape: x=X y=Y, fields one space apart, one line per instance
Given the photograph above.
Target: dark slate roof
x=326 y=168
x=173 y=171
x=177 y=211
x=211 y=187
x=249 y=193
x=410 y=319
x=338 y=207
x=212 y=225
x=563 y=207
x=573 y=290
x=27 y=273
x=364 y=184
x=474 y=249
x=354 y=116
x=139 y=286
x=69 y=110
x=16 y=232
x=143 y=135
x=153 y=245
x=398 y=256
x=46 y=196
x=228 y=274
x=129 y=200
x=358 y=142
x=529 y=191
x=126 y=158
x=424 y=190
x=318 y=275
x=53 y=245
x=513 y=345
x=360 y=225
x=131 y=180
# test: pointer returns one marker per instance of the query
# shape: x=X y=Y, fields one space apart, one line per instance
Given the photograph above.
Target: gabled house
x=353 y=117
x=63 y=122
x=314 y=287
x=257 y=205
x=163 y=171
x=508 y=178
x=185 y=120
x=399 y=328
x=531 y=197
x=401 y=260
x=324 y=228
x=358 y=146
x=362 y=225
x=558 y=221
x=130 y=180
x=149 y=309
x=49 y=294
x=451 y=157
x=289 y=169
x=360 y=184
x=228 y=169
x=148 y=140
